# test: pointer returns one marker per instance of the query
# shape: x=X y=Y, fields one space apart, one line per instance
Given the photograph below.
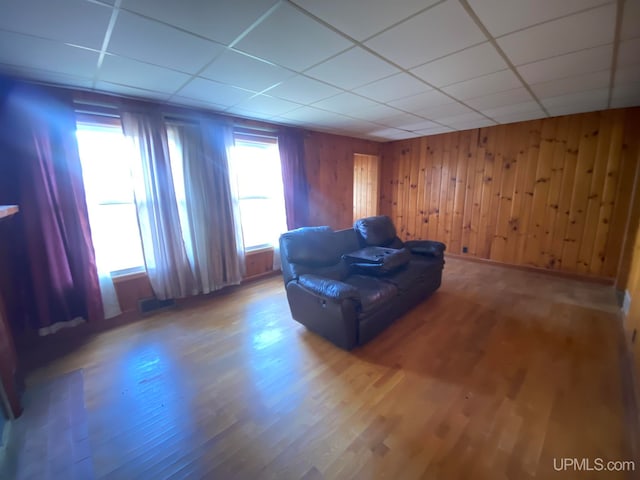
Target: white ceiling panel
x=444 y=111
x=376 y=113
x=495 y=100
x=577 y=32
x=577 y=102
x=501 y=17
x=439 y=31
x=350 y=17
x=518 y=116
x=401 y=119
x=392 y=88
x=192 y=102
x=71 y=21
x=465 y=117
x=214 y=92
x=391 y=134
x=219 y=20
x=526 y=107
x=576 y=63
x=630 y=20
x=351 y=69
x=475 y=123
x=131 y=91
x=626 y=94
x=417 y=103
x=312 y=115
x=345 y=103
x=238 y=69
x=27 y=51
x=629 y=52
x=45 y=76
x=132 y=73
x=302 y=89
x=472 y=62
x=485 y=85
x=152 y=42
x=267 y=105
x=580 y=83
x=291 y=39
x=435 y=130
x=419 y=125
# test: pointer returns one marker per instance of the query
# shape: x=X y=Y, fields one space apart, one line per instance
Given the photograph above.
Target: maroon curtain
x=294 y=178
x=60 y=279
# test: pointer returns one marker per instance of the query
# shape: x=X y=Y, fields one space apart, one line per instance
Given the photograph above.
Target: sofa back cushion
x=378 y=231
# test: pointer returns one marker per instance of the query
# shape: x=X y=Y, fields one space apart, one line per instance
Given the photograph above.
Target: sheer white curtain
x=164 y=249
x=211 y=230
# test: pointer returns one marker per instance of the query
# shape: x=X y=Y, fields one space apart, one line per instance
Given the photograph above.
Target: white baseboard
x=626 y=303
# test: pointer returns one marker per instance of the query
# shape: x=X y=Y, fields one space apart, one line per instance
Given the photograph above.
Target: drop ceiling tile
x=251 y=114
x=442 y=111
x=626 y=95
x=470 y=124
x=506 y=97
x=350 y=17
x=291 y=39
x=304 y=90
x=376 y=114
x=352 y=69
x=214 y=92
x=628 y=74
x=629 y=52
x=267 y=105
x=392 y=88
x=485 y=85
x=519 y=116
x=192 y=102
x=45 y=76
x=420 y=125
x=469 y=63
x=361 y=126
x=238 y=69
x=136 y=74
x=501 y=17
x=398 y=121
x=152 y=42
x=345 y=103
x=526 y=107
x=417 y=103
x=131 y=91
x=37 y=53
x=583 y=30
x=439 y=31
x=571 y=64
x=311 y=115
x=57 y=20
x=391 y=134
x=221 y=20
x=434 y=131
x=630 y=20
x=465 y=117
x=581 y=83
x=577 y=102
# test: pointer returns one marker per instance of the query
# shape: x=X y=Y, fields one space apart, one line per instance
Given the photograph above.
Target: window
x=105 y=155
x=256 y=162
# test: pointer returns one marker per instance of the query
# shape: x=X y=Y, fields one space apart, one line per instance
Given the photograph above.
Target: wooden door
x=366 y=185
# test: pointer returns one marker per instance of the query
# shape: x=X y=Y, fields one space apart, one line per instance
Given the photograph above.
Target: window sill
x=260 y=249
x=124 y=275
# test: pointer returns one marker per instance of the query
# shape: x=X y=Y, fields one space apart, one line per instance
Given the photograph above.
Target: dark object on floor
x=51 y=438
x=349 y=285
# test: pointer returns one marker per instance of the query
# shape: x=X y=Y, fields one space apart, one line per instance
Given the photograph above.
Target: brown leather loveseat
x=349 y=285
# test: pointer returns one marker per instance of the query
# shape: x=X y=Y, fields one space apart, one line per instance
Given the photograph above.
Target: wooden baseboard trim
x=527 y=268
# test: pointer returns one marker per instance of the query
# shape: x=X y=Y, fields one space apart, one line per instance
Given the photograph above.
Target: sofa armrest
x=328 y=288
x=426 y=247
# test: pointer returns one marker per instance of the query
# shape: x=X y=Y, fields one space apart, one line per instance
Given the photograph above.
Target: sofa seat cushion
x=373 y=291
x=408 y=277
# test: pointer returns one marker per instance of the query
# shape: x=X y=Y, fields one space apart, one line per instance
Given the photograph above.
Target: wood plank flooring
x=496 y=375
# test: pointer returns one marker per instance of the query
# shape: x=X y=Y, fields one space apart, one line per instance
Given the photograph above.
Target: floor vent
x=151 y=305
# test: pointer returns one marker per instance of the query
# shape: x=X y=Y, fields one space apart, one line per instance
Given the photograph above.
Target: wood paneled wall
x=329 y=165
x=366 y=185
x=551 y=193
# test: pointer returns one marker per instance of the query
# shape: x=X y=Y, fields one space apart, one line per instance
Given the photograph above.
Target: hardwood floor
x=496 y=375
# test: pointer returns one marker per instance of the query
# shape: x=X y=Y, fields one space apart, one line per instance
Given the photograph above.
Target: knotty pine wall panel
x=551 y=193
x=329 y=168
x=366 y=185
